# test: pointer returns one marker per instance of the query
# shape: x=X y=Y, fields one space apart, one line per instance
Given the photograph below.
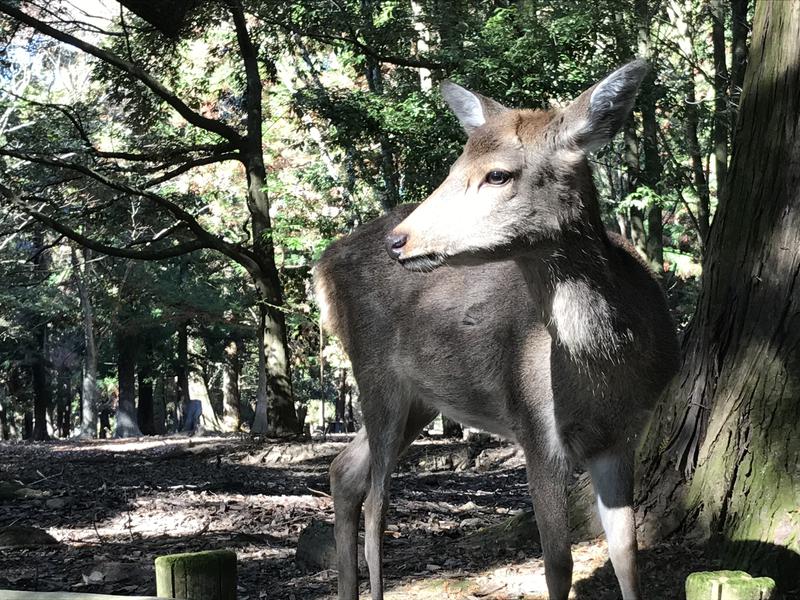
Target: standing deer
x=516 y=313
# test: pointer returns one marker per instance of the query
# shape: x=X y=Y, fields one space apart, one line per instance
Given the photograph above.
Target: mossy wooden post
x=728 y=585
x=197 y=576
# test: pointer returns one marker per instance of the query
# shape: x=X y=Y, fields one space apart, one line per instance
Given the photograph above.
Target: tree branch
x=194 y=118
x=189 y=165
x=243 y=256
x=392 y=59
x=87 y=242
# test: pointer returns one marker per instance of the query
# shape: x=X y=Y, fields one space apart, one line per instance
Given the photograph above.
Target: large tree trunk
x=723 y=454
x=126 y=425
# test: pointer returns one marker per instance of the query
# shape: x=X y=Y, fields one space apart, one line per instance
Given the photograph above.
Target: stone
x=316 y=548
x=10 y=490
x=57 y=503
x=729 y=585
x=21 y=536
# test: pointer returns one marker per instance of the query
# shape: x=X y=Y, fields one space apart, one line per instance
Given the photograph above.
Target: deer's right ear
x=471 y=109
x=599 y=113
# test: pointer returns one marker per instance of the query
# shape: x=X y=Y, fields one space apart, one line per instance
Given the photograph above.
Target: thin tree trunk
x=89 y=384
x=693 y=146
x=390 y=195
x=721 y=114
x=261 y=418
x=739 y=29
x=451 y=429
x=722 y=455
x=182 y=373
x=650 y=175
x=231 y=399
x=144 y=411
x=63 y=401
x=126 y=424
x=631 y=158
x=160 y=405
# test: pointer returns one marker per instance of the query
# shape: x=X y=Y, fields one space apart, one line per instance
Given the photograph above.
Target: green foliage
x=348 y=118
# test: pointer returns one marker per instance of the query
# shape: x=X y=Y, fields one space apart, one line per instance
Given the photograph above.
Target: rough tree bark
x=722 y=455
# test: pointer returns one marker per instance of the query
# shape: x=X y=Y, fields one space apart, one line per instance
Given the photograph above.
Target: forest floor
x=113 y=506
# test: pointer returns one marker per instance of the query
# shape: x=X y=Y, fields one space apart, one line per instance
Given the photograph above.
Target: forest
x=170 y=175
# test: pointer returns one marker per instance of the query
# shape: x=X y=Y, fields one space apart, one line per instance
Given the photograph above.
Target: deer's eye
x=498 y=177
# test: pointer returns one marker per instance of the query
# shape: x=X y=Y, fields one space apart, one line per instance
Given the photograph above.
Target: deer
x=502 y=302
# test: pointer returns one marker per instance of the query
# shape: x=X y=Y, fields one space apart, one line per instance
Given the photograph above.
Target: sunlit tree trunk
x=722 y=456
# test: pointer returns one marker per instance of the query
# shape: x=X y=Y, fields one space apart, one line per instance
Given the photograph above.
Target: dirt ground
x=114 y=506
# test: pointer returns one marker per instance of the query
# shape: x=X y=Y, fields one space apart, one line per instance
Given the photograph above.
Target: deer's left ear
x=471 y=109
x=599 y=113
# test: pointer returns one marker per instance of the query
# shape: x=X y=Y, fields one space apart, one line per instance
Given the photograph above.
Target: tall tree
x=723 y=454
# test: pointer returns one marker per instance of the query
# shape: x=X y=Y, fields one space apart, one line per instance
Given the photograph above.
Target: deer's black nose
x=395 y=243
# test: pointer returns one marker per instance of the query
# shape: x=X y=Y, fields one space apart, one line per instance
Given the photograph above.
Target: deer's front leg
x=547 y=481
x=349 y=476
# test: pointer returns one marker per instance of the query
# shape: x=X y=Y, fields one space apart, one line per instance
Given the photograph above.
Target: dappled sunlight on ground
x=115 y=505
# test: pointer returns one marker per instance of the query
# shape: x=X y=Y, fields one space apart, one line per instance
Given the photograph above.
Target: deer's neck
x=573 y=283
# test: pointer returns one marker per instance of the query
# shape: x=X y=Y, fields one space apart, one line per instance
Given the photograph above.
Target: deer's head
x=522 y=178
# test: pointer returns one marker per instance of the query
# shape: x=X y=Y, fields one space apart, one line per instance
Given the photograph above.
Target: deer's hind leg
x=612 y=478
x=361 y=472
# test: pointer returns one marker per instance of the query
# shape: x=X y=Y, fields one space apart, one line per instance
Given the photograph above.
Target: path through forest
x=114 y=506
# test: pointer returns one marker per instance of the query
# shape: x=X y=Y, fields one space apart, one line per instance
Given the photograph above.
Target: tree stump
x=728 y=585
x=197 y=576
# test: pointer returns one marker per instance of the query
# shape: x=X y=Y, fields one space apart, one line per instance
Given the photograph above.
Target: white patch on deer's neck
x=583 y=320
